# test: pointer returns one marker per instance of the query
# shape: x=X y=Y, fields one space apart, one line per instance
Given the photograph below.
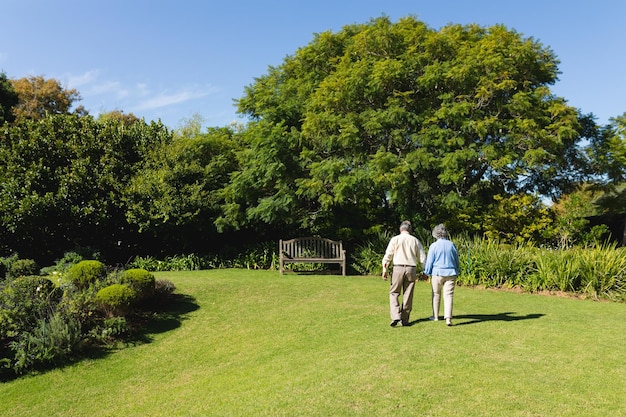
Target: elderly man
x=406 y=252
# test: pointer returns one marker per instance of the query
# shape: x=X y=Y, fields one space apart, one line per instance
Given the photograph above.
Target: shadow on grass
x=479 y=318
x=167 y=317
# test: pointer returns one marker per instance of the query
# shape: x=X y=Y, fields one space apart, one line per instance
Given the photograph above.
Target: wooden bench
x=312 y=250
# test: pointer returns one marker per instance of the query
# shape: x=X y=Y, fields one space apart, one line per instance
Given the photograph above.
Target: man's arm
x=388 y=257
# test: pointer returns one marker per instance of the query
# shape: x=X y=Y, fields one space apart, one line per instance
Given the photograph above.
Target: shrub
x=26 y=299
x=367 y=258
x=114 y=328
x=5 y=263
x=23 y=302
x=50 y=342
x=85 y=273
x=260 y=256
x=498 y=265
x=164 y=287
x=116 y=300
x=79 y=304
x=21 y=268
x=603 y=272
x=139 y=280
x=61 y=266
x=145 y=262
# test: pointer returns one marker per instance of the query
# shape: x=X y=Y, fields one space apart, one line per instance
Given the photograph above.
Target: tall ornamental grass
x=597 y=272
x=603 y=273
x=494 y=265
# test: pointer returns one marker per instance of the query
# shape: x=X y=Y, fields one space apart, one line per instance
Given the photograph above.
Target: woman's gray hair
x=440 y=232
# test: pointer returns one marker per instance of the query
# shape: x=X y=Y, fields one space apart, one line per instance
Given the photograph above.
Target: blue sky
x=170 y=60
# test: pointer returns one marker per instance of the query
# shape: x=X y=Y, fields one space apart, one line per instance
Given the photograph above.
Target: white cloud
x=98 y=92
x=165 y=99
x=108 y=87
x=75 y=81
x=143 y=89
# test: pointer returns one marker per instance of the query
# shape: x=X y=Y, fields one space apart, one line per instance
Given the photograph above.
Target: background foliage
x=351 y=134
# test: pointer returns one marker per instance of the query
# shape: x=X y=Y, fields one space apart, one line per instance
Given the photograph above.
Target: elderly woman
x=442 y=264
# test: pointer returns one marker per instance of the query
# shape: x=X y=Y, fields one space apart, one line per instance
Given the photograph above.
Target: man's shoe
x=394 y=323
x=405 y=324
x=433 y=318
x=449 y=322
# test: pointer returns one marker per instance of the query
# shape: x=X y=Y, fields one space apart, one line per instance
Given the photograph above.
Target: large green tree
x=63 y=179
x=175 y=196
x=383 y=121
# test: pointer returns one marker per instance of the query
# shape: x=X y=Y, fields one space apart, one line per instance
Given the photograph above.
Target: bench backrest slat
x=312 y=247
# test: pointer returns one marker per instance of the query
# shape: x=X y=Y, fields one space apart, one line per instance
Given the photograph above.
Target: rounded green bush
x=24 y=300
x=116 y=299
x=87 y=272
x=140 y=280
x=22 y=268
x=26 y=288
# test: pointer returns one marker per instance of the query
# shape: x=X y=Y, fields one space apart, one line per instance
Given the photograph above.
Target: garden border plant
x=47 y=321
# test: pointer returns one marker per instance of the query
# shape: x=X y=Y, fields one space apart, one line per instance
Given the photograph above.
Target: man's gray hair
x=406 y=225
x=440 y=232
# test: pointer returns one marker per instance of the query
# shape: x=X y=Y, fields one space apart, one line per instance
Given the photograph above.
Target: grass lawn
x=253 y=343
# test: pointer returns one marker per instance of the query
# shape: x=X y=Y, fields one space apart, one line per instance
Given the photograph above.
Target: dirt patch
x=547 y=293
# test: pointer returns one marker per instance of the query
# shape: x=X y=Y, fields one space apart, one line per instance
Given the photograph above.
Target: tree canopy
x=8 y=99
x=63 y=179
x=356 y=131
x=39 y=96
x=383 y=121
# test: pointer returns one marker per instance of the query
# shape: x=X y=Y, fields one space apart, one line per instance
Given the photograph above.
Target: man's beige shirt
x=404 y=249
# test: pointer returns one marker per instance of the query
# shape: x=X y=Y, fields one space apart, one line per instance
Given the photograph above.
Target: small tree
x=518 y=219
x=572 y=212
